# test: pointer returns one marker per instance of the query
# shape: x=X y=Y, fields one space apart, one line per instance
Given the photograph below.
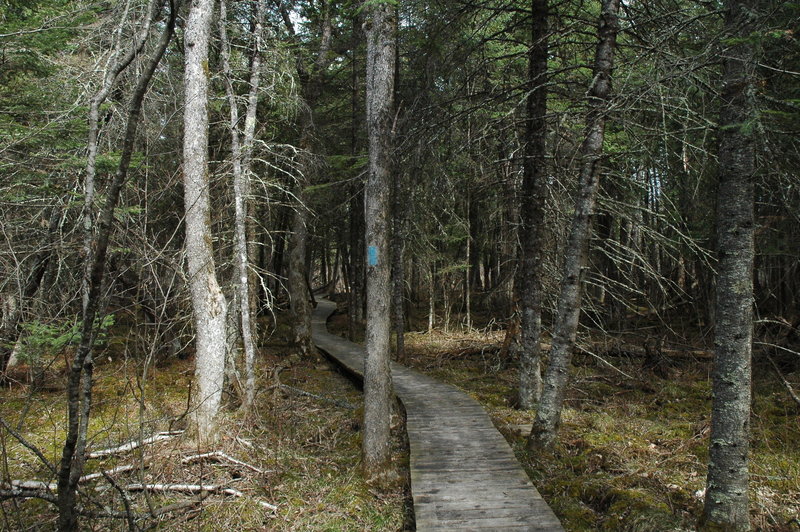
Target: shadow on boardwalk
x=464 y=475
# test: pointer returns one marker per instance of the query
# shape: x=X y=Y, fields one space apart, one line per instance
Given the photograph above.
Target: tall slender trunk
x=311 y=81
x=241 y=157
x=299 y=295
x=468 y=269
x=727 y=502
x=209 y=306
x=79 y=383
x=356 y=301
x=548 y=415
x=380 y=28
x=431 y=296
x=398 y=270
x=534 y=194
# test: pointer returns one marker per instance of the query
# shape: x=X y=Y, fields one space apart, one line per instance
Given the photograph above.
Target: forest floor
x=302 y=452
x=633 y=447
x=632 y=452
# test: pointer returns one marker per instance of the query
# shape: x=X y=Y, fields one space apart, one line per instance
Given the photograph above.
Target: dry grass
x=633 y=451
x=306 y=449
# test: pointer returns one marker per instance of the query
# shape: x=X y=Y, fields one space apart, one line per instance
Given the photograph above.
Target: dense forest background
x=288 y=161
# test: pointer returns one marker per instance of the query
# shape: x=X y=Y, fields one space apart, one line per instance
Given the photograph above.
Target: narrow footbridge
x=464 y=475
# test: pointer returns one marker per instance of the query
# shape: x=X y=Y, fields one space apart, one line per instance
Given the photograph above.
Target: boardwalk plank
x=464 y=475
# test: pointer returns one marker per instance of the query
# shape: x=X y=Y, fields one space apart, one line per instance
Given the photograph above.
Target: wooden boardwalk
x=464 y=475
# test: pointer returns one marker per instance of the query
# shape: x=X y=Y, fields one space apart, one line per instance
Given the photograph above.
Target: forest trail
x=464 y=475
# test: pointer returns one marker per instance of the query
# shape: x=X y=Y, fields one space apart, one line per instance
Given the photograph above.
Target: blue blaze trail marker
x=372 y=255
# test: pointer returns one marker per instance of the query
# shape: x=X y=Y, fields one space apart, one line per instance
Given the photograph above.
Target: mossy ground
x=632 y=450
x=633 y=447
x=307 y=448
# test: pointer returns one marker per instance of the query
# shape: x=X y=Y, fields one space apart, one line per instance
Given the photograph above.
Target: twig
x=125 y=501
x=134 y=444
x=30 y=446
x=776 y=346
x=218 y=455
x=786 y=383
x=606 y=362
x=158 y=512
x=338 y=402
x=244 y=442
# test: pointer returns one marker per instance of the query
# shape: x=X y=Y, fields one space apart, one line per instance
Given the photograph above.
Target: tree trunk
x=548 y=415
x=208 y=302
x=431 y=296
x=311 y=81
x=534 y=195
x=299 y=296
x=398 y=271
x=356 y=301
x=241 y=157
x=357 y=246
x=727 y=503
x=79 y=380
x=380 y=28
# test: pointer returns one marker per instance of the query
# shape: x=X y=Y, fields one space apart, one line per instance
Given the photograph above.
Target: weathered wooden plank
x=464 y=475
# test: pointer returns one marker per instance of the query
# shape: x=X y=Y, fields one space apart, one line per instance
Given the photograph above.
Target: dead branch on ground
x=219 y=456
x=134 y=444
x=193 y=488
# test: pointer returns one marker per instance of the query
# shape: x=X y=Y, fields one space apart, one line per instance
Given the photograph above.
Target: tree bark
x=356 y=301
x=311 y=82
x=241 y=153
x=79 y=380
x=379 y=27
x=398 y=270
x=548 y=416
x=727 y=503
x=299 y=296
x=209 y=306
x=534 y=195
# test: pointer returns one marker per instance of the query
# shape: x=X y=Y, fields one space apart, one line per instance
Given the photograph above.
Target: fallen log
x=193 y=488
x=125 y=447
x=112 y=471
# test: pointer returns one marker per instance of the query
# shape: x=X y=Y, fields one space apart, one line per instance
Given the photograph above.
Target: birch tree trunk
x=727 y=502
x=534 y=194
x=548 y=415
x=241 y=158
x=79 y=380
x=379 y=27
x=208 y=302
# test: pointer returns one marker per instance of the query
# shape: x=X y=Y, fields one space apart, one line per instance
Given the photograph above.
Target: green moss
x=310 y=449
x=574 y=514
x=633 y=509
